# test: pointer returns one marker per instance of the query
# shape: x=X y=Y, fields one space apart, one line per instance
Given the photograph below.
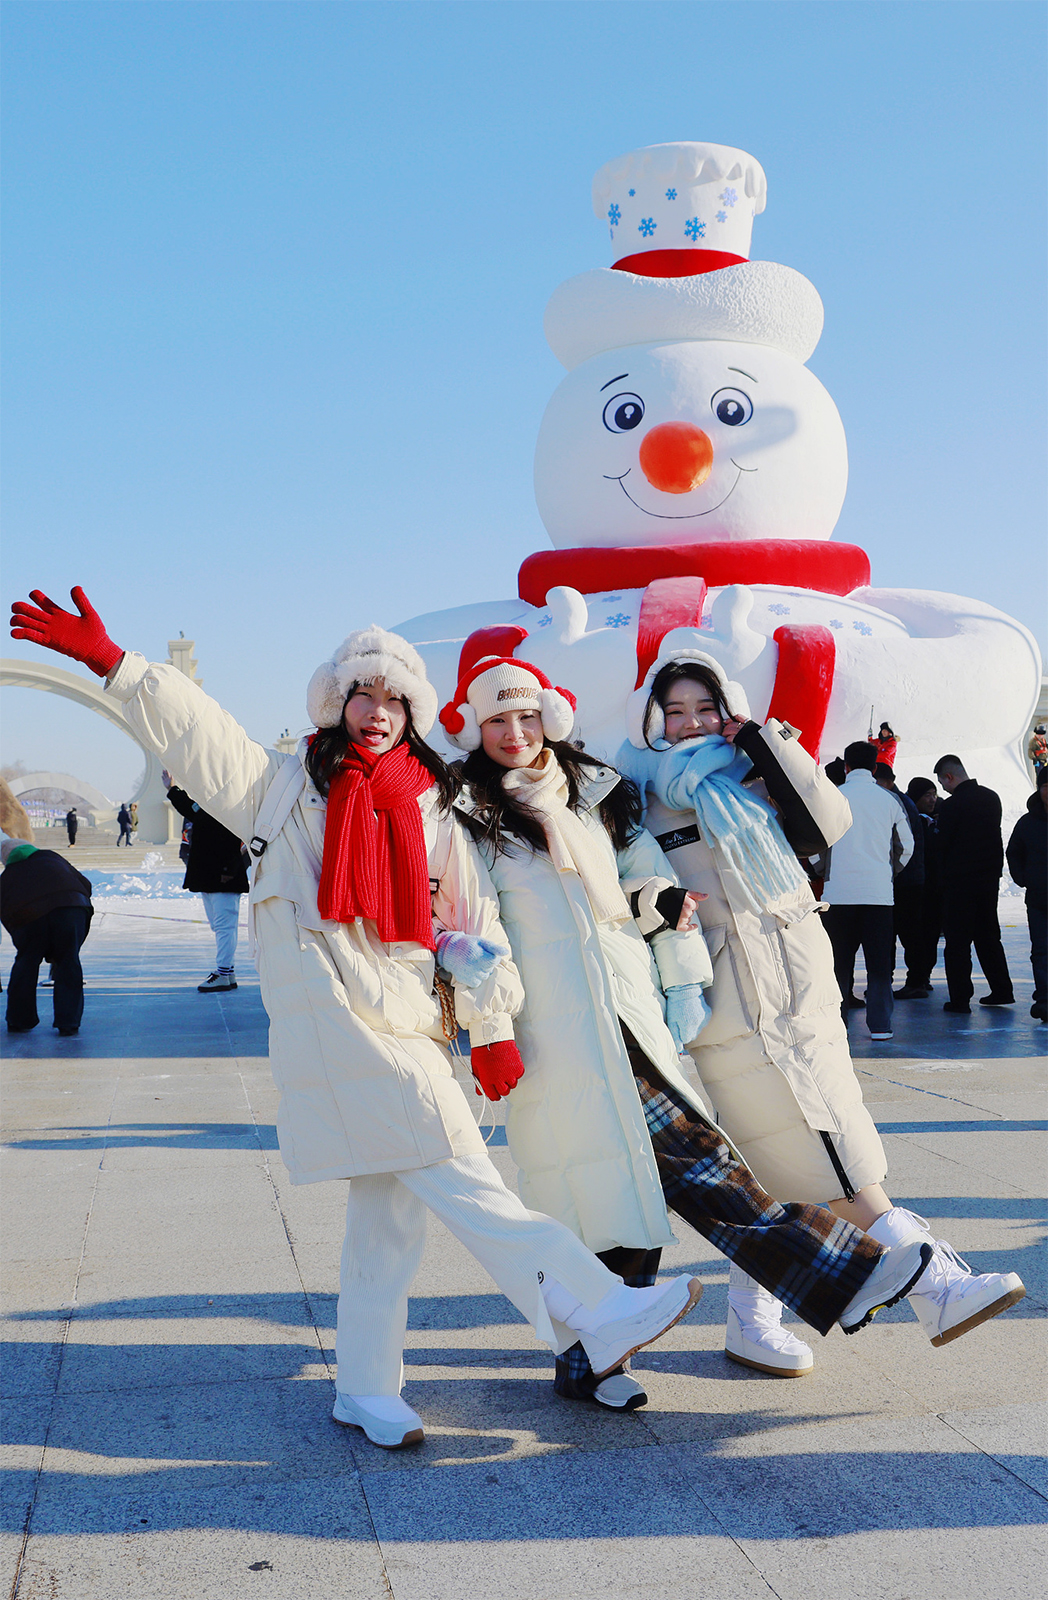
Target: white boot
x=624 y=1321
x=385 y=1418
x=755 y=1336
x=949 y=1298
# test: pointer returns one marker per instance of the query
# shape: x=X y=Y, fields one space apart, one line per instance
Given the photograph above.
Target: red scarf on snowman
x=375 y=860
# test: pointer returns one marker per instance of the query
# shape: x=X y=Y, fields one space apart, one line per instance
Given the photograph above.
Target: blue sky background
x=275 y=276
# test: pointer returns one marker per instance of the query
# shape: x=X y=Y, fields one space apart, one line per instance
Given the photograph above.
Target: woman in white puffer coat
x=603 y=1126
x=357 y=854
x=733 y=805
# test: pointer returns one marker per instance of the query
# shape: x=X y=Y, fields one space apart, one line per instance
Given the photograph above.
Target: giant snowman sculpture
x=690 y=471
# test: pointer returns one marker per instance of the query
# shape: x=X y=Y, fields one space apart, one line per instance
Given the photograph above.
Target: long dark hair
x=673 y=672
x=498 y=814
x=328 y=746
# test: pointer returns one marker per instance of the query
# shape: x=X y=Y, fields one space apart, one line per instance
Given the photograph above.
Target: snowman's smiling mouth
x=686 y=516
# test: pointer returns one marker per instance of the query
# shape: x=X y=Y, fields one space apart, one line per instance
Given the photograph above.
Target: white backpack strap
x=276 y=807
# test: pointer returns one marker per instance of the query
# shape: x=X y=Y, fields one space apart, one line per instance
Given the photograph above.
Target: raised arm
x=206 y=750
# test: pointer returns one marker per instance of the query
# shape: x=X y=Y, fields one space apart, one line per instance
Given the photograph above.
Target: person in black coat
x=971 y=854
x=45 y=905
x=921 y=942
x=217 y=871
x=1028 y=865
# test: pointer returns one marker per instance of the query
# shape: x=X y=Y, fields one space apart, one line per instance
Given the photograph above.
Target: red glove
x=497 y=1067
x=83 y=637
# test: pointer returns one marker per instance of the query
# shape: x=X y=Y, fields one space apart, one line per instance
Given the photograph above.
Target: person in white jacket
x=603 y=1126
x=733 y=804
x=859 y=887
x=357 y=854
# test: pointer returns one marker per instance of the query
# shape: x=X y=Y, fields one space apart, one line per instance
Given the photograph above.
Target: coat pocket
x=733 y=1007
x=807 y=959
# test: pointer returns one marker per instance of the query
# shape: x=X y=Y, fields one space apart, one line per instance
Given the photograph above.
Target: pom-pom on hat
x=674 y=649
x=368 y=656
x=489 y=684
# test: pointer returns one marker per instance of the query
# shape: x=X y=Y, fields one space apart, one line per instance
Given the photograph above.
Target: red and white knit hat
x=489 y=684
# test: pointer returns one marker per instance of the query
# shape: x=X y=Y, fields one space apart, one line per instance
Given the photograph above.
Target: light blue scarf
x=705 y=776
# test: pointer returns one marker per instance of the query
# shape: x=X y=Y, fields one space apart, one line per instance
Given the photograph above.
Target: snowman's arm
x=813 y=811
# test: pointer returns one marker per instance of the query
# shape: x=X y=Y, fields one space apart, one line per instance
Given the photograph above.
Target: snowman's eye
x=732 y=406
x=623 y=412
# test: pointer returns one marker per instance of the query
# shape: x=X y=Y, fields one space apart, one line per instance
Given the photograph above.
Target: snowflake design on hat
x=835 y=622
x=632 y=193
x=671 y=194
x=722 y=216
x=614 y=215
x=544 y=622
x=780 y=610
x=619 y=620
x=647 y=226
x=694 y=228
x=862 y=627
x=729 y=196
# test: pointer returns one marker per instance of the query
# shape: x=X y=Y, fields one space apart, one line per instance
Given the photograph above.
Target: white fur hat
x=367 y=656
x=673 y=649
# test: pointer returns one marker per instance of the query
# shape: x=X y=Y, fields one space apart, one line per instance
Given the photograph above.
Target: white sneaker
x=630 y=1319
x=385 y=1418
x=894 y=1276
x=620 y=1392
x=216 y=980
x=766 y=1346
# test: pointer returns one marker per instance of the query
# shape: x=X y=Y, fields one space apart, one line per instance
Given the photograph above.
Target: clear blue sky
x=275 y=276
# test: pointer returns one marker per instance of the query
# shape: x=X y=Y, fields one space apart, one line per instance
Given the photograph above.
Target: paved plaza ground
x=170 y=1330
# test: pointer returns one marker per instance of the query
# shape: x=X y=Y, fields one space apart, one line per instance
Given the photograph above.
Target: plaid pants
x=812 y=1261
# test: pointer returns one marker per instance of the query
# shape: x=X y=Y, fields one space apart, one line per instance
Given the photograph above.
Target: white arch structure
x=156 y=819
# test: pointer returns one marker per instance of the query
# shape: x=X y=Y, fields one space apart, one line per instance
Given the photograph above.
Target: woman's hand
x=496 y=1067
x=688 y=908
x=731 y=728
x=83 y=638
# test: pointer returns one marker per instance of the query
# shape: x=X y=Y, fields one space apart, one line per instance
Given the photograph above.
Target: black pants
x=873 y=927
x=55 y=937
x=920 y=942
x=1037 y=921
x=969 y=917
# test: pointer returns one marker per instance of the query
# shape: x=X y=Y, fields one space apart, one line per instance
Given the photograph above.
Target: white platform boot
x=949 y=1298
x=755 y=1336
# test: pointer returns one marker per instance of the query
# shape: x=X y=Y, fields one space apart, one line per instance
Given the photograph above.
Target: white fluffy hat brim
x=753 y=302
x=371 y=655
x=676 y=649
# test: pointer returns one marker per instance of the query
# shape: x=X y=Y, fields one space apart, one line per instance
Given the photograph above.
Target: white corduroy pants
x=385 y=1236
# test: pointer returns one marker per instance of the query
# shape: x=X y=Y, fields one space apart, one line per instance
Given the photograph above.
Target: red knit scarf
x=375 y=861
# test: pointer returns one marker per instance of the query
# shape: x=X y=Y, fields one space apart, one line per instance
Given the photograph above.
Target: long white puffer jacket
x=356 y=1043
x=774 y=1056
x=574 y=1122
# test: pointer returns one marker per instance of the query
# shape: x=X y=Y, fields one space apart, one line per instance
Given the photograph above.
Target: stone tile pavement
x=169 y=1335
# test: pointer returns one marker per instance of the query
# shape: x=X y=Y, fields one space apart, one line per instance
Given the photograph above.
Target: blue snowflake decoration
x=780 y=610
x=671 y=194
x=694 y=228
x=544 y=622
x=619 y=620
x=835 y=622
x=729 y=197
x=722 y=216
x=632 y=193
x=609 y=597
x=614 y=215
x=647 y=226
x=862 y=627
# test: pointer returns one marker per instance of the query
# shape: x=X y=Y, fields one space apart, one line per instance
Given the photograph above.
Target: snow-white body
x=713 y=364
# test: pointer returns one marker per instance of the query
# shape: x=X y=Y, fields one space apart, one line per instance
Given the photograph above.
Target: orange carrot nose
x=676 y=457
